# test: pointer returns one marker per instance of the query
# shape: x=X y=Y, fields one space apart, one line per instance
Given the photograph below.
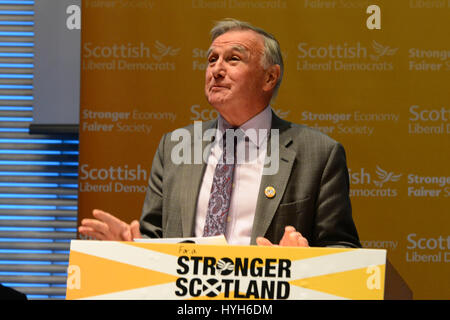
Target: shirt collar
x=261 y=121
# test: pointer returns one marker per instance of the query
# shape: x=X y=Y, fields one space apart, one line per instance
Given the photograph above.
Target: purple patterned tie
x=220 y=197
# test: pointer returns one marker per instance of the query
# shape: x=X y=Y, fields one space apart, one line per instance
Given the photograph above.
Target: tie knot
x=230 y=139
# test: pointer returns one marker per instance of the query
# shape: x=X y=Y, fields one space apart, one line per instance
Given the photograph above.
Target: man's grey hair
x=272 y=52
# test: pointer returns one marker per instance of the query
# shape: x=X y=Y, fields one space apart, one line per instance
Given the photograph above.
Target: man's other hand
x=291 y=238
x=107 y=227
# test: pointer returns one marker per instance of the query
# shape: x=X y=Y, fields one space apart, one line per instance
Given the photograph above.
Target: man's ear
x=272 y=75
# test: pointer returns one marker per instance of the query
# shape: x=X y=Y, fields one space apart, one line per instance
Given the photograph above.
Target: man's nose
x=218 y=70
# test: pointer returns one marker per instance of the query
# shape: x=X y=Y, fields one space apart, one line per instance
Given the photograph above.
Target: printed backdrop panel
x=382 y=93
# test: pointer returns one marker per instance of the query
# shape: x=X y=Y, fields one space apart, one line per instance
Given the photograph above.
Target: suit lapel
x=266 y=207
x=192 y=175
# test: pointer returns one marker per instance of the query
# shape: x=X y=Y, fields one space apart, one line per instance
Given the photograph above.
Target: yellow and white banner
x=133 y=270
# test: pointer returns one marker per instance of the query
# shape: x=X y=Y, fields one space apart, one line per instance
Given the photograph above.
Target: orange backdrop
x=382 y=93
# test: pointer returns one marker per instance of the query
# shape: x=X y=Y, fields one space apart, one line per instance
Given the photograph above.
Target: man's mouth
x=218 y=87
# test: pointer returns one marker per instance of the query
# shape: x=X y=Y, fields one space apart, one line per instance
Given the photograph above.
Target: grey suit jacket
x=312 y=191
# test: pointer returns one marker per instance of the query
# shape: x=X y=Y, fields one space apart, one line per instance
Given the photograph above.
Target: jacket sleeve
x=151 y=218
x=334 y=225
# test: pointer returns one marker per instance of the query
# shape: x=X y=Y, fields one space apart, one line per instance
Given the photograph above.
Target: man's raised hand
x=107 y=227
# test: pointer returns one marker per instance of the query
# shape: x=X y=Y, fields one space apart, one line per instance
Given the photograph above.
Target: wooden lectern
x=395 y=287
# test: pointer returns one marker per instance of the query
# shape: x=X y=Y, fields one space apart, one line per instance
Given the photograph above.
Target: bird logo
x=164 y=50
x=381 y=51
x=385 y=176
x=225 y=266
x=281 y=113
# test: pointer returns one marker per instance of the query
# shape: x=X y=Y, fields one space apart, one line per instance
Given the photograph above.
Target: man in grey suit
x=305 y=202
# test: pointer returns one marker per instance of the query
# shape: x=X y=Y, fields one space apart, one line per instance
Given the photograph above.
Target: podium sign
x=134 y=270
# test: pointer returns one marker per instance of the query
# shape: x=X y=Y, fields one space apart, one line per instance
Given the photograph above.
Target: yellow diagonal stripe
x=352 y=284
x=100 y=276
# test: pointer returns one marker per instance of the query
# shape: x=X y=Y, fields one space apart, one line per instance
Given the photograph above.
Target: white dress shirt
x=246 y=180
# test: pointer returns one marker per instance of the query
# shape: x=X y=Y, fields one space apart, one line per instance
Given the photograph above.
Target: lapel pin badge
x=270 y=192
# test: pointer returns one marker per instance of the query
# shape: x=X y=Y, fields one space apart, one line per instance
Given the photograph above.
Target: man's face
x=235 y=77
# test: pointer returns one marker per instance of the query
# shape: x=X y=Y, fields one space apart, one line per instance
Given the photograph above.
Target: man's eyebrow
x=209 y=51
x=239 y=48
